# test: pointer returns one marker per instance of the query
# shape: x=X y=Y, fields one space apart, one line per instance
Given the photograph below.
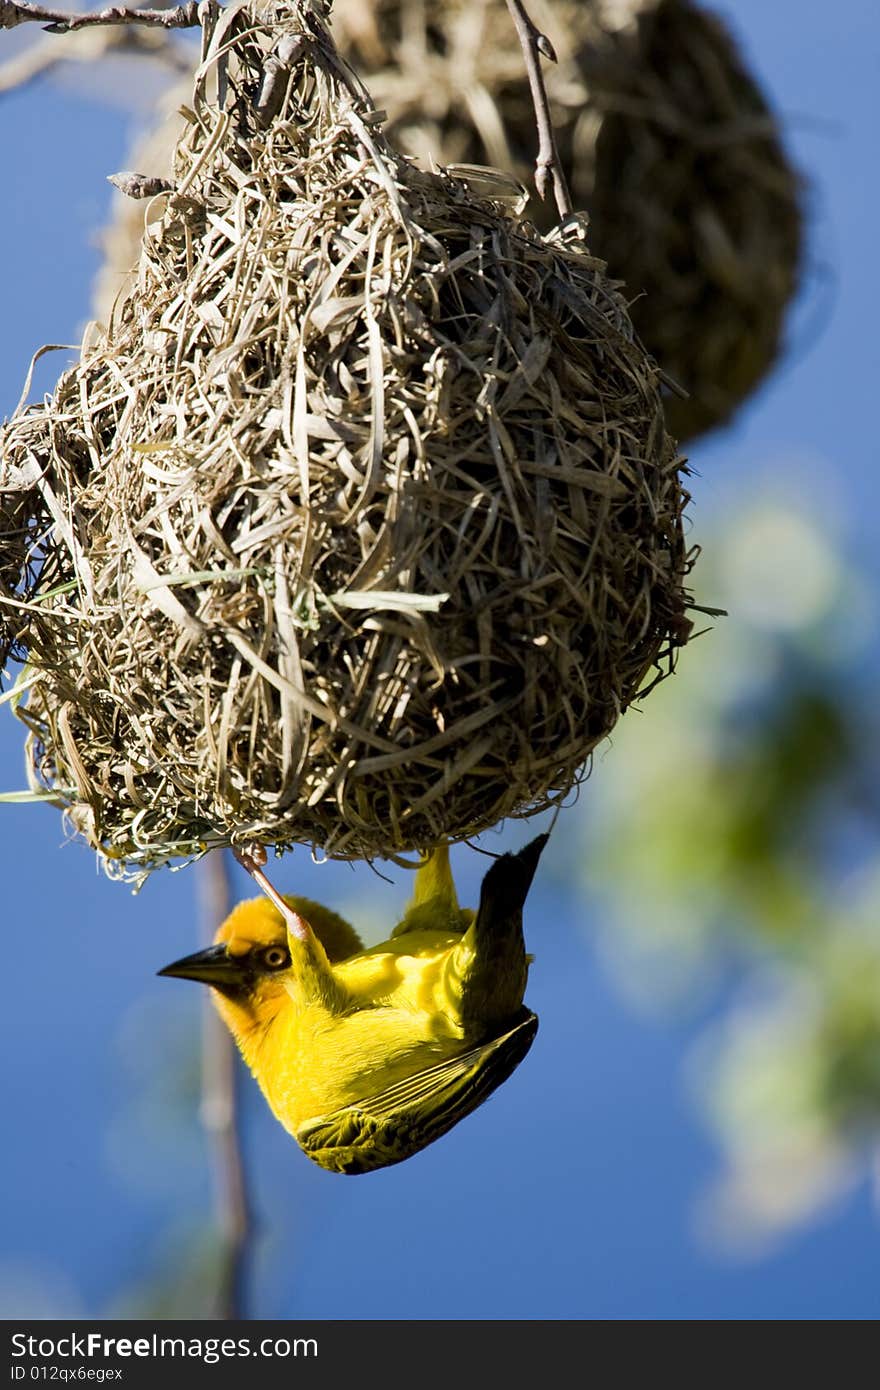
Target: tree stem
x=220 y=1112
x=14 y=12
x=534 y=44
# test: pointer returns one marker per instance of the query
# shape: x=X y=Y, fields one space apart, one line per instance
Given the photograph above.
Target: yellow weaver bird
x=366 y=1056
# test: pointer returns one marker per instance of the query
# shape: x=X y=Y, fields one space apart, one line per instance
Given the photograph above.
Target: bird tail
x=506 y=885
x=490 y=968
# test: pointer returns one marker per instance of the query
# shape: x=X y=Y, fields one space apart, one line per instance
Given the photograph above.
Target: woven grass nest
x=371 y=525
x=696 y=204
x=665 y=137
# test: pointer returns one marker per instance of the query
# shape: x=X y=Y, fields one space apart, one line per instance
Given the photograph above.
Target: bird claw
x=250 y=857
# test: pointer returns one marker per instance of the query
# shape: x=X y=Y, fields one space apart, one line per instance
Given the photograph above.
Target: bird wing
x=398 y=1121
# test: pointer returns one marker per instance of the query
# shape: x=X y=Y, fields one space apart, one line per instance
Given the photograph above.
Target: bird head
x=246 y=965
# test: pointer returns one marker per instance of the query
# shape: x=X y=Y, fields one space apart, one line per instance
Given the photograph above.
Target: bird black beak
x=214 y=966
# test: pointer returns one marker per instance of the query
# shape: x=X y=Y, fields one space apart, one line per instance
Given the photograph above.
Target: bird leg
x=251 y=860
x=434 y=880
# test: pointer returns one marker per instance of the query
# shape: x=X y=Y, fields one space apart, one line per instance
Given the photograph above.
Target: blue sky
x=571 y=1193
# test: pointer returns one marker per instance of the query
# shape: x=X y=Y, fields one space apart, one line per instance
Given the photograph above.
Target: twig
x=534 y=44
x=14 y=12
x=276 y=75
x=220 y=1113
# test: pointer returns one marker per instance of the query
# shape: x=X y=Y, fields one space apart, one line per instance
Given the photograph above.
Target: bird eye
x=275 y=957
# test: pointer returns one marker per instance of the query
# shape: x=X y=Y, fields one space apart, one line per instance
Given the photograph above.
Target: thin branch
x=220 y=1116
x=12 y=13
x=276 y=74
x=534 y=44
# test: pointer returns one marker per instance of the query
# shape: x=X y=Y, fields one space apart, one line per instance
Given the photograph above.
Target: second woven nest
x=371 y=525
x=666 y=138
